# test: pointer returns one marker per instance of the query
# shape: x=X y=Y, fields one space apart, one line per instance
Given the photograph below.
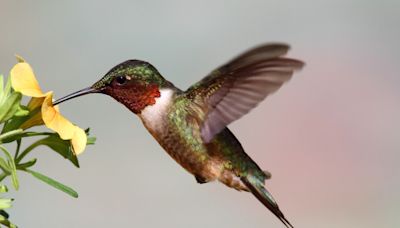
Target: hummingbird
x=191 y=125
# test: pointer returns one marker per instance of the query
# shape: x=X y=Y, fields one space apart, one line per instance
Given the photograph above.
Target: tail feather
x=265 y=198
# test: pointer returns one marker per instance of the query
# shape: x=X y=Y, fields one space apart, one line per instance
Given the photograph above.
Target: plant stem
x=18 y=148
x=25 y=152
x=30 y=133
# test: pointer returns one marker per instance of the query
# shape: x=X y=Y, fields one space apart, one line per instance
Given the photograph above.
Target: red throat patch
x=137 y=96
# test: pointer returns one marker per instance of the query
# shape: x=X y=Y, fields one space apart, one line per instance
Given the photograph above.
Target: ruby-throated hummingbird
x=191 y=125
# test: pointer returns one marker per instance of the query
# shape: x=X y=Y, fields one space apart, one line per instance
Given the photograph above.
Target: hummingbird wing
x=232 y=90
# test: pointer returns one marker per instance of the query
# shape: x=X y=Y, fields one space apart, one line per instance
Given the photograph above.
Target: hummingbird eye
x=121 y=80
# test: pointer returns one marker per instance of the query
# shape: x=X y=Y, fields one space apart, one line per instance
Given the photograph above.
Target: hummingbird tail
x=259 y=191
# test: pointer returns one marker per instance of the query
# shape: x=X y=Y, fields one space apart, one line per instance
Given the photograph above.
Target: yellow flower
x=24 y=81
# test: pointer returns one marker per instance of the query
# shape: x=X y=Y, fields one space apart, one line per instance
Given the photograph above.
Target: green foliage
x=53 y=183
x=9 y=101
x=53 y=141
x=11 y=167
x=12 y=115
x=4 y=204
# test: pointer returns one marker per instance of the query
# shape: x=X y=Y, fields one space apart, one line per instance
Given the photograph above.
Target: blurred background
x=330 y=137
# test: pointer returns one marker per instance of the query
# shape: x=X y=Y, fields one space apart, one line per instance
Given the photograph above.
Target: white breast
x=153 y=116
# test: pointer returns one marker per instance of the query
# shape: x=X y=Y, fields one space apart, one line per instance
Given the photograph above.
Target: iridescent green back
x=186 y=118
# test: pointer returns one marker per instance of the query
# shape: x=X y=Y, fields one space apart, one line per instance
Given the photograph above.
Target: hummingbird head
x=134 y=83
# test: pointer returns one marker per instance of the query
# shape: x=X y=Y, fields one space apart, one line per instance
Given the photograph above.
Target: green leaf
x=53 y=183
x=4 y=221
x=9 y=106
x=14 y=177
x=5 y=203
x=13 y=169
x=91 y=140
x=17 y=121
x=4 y=166
x=21 y=111
x=4 y=214
x=7 y=89
x=1 y=86
x=3 y=189
x=4 y=91
x=62 y=147
x=23 y=134
x=7 y=135
x=27 y=164
x=2 y=176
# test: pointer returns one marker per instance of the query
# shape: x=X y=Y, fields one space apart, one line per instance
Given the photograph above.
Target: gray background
x=330 y=137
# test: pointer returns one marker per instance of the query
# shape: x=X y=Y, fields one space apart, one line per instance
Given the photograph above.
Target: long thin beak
x=76 y=94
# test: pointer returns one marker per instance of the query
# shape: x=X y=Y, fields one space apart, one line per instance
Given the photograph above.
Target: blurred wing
x=233 y=89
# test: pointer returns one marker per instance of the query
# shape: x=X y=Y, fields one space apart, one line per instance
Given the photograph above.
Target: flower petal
x=79 y=140
x=55 y=121
x=67 y=131
x=23 y=80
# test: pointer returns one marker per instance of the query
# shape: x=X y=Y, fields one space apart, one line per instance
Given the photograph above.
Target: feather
x=235 y=88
